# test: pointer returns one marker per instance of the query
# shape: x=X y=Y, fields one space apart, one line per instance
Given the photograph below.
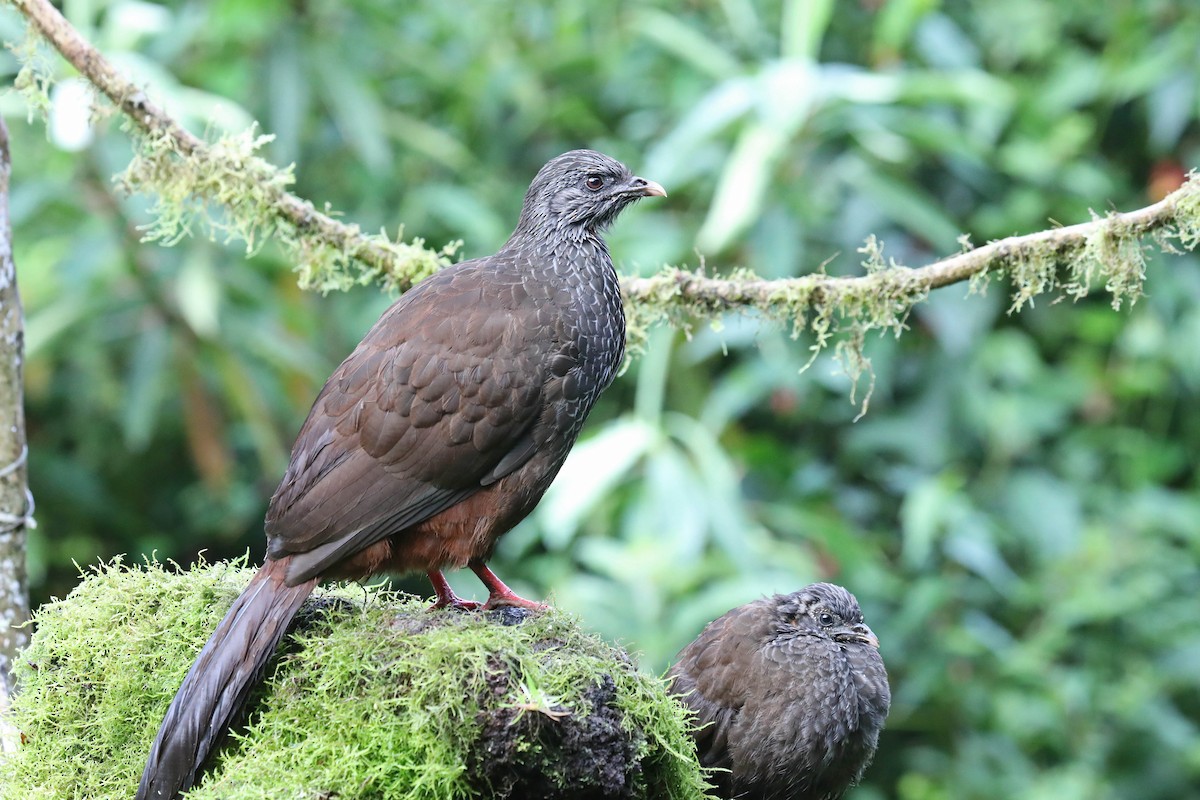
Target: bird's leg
x=498 y=593
x=446 y=598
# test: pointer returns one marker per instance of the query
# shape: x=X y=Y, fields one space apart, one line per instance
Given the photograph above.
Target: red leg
x=446 y=598
x=498 y=593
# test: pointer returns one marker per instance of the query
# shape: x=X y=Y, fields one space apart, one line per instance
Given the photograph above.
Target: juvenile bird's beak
x=645 y=188
x=857 y=633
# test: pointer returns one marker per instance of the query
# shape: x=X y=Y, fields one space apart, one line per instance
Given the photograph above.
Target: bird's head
x=582 y=192
x=826 y=611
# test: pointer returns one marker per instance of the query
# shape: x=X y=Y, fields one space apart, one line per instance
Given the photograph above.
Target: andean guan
x=788 y=695
x=437 y=435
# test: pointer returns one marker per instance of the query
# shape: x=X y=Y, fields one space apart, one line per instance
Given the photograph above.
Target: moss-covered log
x=373 y=696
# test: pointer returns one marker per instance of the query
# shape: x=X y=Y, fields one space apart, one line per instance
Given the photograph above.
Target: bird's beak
x=857 y=633
x=645 y=188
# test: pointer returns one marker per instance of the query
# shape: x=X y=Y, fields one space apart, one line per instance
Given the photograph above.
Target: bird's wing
x=443 y=391
x=710 y=677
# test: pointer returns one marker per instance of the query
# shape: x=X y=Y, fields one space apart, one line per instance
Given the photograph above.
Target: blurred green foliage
x=1019 y=511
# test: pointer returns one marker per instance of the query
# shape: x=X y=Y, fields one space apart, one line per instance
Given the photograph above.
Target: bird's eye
x=594 y=182
x=825 y=619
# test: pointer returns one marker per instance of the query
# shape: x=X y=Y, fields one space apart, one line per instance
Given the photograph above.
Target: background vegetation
x=1018 y=511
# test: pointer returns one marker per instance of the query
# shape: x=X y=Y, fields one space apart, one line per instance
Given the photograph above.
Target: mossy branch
x=182 y=170
x=185 y=173
x=1067 y=261
x=374 y=695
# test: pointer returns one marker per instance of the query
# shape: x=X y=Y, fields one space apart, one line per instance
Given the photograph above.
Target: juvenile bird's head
x=581 y=192
x=826 y=611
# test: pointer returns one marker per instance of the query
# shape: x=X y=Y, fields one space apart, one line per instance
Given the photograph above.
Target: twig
x=158 y=125
x=763 y=294
x=1105 y=246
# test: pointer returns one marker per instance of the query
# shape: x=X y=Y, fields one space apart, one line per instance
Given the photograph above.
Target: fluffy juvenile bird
x=438 y=434
x=788 y=693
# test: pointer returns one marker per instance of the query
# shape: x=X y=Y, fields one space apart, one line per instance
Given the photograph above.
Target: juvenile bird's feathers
x=788 y=694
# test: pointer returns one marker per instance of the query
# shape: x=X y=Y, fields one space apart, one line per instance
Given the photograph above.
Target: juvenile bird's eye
x=594 y=182
x=825 y=619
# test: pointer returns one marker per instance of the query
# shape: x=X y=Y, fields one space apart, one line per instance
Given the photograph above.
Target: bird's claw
x=457 y=603
x=513 y=600
x=446 y=598
x=498 y=593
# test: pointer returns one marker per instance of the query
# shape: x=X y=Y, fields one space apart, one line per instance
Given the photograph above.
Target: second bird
x=788 y=695
x=438 y=434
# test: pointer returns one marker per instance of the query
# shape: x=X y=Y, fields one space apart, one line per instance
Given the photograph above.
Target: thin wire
x=16 y=465
x=11 y=522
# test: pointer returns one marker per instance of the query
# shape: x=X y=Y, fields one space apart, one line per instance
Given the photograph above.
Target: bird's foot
x=446 y=598
x=499 y=594
x=456 y=602
x=510 y=599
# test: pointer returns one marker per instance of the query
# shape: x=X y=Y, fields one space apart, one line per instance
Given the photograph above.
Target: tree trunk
x=16 y=503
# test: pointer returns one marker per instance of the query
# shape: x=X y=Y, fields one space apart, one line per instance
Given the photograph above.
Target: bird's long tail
x=217 y=685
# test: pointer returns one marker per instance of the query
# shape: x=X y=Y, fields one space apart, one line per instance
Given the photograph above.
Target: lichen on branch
x=187 y=174
x=1063 y=262
x=229 y=190
x=191 y=177
x=35 y=76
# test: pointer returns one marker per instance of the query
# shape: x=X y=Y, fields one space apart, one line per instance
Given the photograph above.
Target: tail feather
x=220 y=680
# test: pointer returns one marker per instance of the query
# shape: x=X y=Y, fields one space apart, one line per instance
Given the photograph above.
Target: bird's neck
x=576 y=273
x=554 y=226
x=563 y=244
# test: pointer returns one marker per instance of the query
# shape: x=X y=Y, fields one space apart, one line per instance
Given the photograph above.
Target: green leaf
x=685 y=42
x=358 y=113
x=744 y=180
x=145 y=387
x=907 y=205
x=803 y=26
x=198 y=293
x=594 y=467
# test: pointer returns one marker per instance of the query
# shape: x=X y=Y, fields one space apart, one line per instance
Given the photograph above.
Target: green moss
x=228 y=191
x=1032 y=272
x=841 y=312
x=1185 y=227
x=36 y=74
x=376 y=697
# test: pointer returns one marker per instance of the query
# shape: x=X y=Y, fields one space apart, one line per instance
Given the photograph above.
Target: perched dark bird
x=788 y=694
x=438 y=434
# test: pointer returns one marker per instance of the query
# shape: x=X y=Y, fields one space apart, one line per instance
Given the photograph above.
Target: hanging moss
x=225 y=188
x=374 y=697
x=229 y=191
x=36 y=76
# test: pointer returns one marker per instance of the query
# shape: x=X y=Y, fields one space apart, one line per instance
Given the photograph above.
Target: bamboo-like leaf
x=357 y=112
x=700 y=52
x=198 y=293
x=145 y=387
x=594 y=467
x=204 y=424
x=744 y=181
x=803 y=27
